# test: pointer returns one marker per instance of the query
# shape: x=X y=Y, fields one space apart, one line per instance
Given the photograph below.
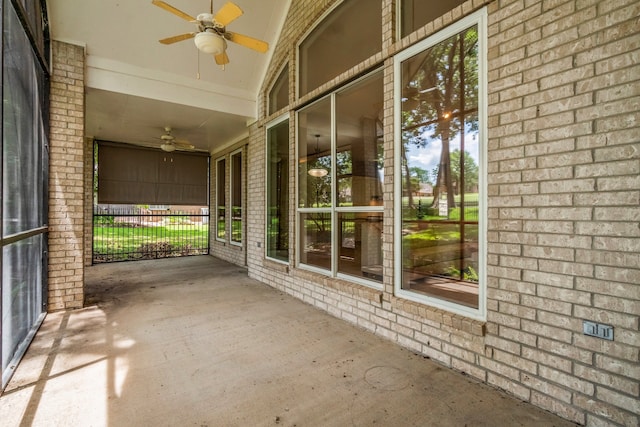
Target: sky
x=428 y=157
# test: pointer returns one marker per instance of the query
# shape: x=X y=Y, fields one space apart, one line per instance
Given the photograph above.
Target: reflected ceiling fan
x=212 y=34
x=170 y=143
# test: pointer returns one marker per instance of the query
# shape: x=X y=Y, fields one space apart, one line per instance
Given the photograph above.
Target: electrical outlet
x=598 y=330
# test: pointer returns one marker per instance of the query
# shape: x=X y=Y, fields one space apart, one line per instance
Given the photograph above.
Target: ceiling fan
x=170 y=143
x=212 y=34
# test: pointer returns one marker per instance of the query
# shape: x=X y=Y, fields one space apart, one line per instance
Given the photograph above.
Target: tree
x=468 y=167
x=421 y=174
x=440 y=102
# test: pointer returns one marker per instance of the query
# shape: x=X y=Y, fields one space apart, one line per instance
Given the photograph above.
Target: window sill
x=278 y=266
x=455 y=321
x=355 y=289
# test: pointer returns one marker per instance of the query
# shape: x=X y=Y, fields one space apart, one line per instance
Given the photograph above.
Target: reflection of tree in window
x=440 y=221
x=440 y=102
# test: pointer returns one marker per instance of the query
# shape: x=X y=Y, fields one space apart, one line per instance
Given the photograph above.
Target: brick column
x=66 y=178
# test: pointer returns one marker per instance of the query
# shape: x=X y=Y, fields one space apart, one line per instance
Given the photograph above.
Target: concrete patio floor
x=194 y=341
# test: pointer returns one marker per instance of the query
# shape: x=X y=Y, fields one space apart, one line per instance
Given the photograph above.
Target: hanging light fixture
x=168 y=147
x=317 y=172
x=210 y=42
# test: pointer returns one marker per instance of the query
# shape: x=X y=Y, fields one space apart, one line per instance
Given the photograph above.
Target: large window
x=277 y=227
x=351 y=33
x=439 y=190
x=236 y=197
x=221 y=199
x=279 y=93
x=340 y=182
x=417 y=13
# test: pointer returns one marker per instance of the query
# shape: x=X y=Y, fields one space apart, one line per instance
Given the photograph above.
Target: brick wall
x=66 y=178
x=564 y=242
x=564 y=196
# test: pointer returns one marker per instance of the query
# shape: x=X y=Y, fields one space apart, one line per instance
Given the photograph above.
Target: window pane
x=440 y=157
x=21 y=292
x=359 y=157
x=236 y=197
x=360 y=240
x=315 y=239
x=278 y=191
x=279 y=94
x=314 y=155
x=348 y=36
x=417 y=13
x=23 y=137
x=221 y=199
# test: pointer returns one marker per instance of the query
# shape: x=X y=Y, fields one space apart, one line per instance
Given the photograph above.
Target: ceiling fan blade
x=173 y=10
x=179 y=38
x=228 y=13
x=246 y=41
x=183 y=144
x=222 y=58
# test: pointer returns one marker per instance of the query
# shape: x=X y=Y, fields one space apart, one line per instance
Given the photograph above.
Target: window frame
x=221 y=160
x=270 y=91
x=400 y=16
x=268 y=127
x=334 y=210
x=232 y=184
x=479 y=19
x=319 y=21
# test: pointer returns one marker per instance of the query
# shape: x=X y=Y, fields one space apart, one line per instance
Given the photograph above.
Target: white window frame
x=274 y=123
x=226 y=231
x=297 y=52
x=478 y=18
x=335 y=209
x=231 y=191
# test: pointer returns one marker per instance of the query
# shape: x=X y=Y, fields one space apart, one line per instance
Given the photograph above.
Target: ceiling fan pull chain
x=198 y=72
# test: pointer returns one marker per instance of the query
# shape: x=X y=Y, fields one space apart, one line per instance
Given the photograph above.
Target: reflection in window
x=343 y=236
x=279 y=93
x=278 y=191
x=236 y=197
x=221 y=200
x=360 y=239
x=359 y=143
x=314 y=155
x=315 y=239
x=351 y=33
x=415 y=14
x=440 y=156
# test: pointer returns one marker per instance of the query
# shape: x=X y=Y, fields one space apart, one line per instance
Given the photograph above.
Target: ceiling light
x=318 y=172
x=209 y=42
x=168 y=147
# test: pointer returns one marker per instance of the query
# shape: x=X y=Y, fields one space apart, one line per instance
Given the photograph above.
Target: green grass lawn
x=123 y=242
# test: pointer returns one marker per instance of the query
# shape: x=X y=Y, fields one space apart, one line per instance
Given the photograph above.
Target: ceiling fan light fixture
x=210 y=43
x=168 y=147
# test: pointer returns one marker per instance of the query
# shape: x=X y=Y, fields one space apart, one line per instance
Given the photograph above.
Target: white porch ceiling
x=136 y=86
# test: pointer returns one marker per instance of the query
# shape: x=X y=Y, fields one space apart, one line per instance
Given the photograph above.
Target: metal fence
x=128 y=233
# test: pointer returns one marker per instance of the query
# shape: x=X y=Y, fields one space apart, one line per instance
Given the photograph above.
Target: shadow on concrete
x=194 y=341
